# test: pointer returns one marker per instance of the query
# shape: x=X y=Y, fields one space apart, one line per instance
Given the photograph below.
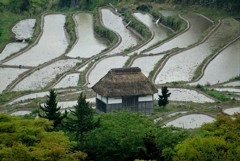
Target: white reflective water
x=70 y=80
x=104 y=66
x=11 y=48
x=181 y=67
x=40 y=78
x=191 y=121
x=52 y=43
x=87 y=44
x=115 y=23
x=24 y=29
x=198 y=24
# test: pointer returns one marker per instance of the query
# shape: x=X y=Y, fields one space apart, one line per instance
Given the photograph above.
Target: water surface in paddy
x=70 y=80
x=198 y=24
x=234 y=83
x=224 y=67
x=160 y=32
x=185 y=95
x=115 y=23
x=232 y=111
x=40 y=78
x=181 y=67
x=87 y=44
x=104 y=66
x=52 y=43
x=24 y=29
x=11 y=48
x=147 y=63
x=7 y=75
x=21 y=113
x=191 y=121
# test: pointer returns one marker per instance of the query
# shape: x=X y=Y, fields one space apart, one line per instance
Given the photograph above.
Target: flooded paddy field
x=24 y=29
x=115 y=23
x=146 y=63
x=40 y=78
x=88 y=44
x=52 y=43
x=186 y=95
x=191 y=121
x=232 y=111
x=7 y=75
x=12 y=48
x=63 y=73
x=70 y=80
x=159 y=32
x=181 y=67
x=103 y=66
x=198 y=24
x=227 y=62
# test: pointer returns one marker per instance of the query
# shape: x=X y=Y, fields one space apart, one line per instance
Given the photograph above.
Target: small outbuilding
x=125 y=89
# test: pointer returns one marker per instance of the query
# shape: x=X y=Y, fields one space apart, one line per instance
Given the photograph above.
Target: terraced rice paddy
x=115 y=23
x=87 y=44
x=232 y=111
x=191 y=121
x=52 y=44
x=40 y=78
x=198 y=25
x=181 y=67
x=46 y=63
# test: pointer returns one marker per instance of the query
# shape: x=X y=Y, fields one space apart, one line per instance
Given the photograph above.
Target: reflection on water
x=87 y=44
x=11 y=48
x=224 y=67
x=115 y=23
x=52 y=43
x=181 y=67
x=198 y=25
x=160 y=32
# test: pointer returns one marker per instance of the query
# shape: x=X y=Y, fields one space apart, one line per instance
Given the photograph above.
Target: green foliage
x=173 y=22
x=119 y=136
x=51 y=110
x=216 y=94
x=27 y=140
x=163 y=99
x=221 y=142
x=81 y=119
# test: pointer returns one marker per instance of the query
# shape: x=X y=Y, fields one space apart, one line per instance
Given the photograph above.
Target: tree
x=120 y=136
x=219 y=142
x=81 y=119
x=26 y=140
x=163 y=99
x=51 y=111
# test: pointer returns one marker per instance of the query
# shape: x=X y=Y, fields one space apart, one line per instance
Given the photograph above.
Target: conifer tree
x=51 y=111
x=80 y=119
x=163 y=99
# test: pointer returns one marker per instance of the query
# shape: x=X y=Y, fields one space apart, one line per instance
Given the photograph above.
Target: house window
x=130 y=103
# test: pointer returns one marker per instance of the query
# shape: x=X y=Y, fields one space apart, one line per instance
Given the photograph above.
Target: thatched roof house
x=125 y=88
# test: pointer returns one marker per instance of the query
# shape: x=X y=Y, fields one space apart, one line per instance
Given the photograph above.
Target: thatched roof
x=124 y=82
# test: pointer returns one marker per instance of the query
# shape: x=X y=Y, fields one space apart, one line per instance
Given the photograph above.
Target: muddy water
x=160 y=32
x=52 y=43
x=70 y=80
x=7 y=75
x=115 y=23
x=191 y=121
x=181 y=67
x=11 y=48
x=147 y=63
x=198 y=25
x=24 y=29
x=185 y=95
x=87 y=44
x=224 y=67
x=40 y=78
x=104 y=66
